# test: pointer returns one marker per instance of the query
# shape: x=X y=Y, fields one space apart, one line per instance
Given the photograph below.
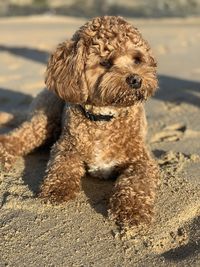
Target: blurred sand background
x=79 y=233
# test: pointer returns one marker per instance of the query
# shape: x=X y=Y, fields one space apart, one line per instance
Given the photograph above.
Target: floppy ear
x=65 y=72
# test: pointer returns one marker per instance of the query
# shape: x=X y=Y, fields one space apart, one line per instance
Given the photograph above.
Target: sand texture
x=79 y=232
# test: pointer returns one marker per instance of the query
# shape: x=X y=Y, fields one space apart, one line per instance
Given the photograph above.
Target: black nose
x=134 y=81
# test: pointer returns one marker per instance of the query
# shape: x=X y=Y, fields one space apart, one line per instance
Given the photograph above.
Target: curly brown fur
x=42 y=124
x=94 y=73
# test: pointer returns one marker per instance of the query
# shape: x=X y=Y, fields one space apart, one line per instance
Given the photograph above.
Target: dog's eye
x=137 y=60
x=106 y=63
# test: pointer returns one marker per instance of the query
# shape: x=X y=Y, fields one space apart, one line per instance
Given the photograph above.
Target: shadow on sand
x=34 y=54
x=178 y=90
x=188 y=250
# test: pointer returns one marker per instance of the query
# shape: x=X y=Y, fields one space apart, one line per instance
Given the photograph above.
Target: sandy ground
x=79 y=233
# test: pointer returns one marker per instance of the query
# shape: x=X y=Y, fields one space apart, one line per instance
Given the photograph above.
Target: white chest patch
x=100 y=166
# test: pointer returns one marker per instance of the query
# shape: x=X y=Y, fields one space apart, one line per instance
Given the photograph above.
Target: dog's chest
x=102 y=163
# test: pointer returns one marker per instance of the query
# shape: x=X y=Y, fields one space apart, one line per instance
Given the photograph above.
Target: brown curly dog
x=104 y=74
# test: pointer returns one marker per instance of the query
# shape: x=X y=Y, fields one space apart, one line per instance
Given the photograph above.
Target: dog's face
x=107 y=63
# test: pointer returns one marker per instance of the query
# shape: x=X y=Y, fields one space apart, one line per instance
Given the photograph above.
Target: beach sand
x=79 y=233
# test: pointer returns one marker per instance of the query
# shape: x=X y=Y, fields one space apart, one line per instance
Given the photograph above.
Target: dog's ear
x=65 y=72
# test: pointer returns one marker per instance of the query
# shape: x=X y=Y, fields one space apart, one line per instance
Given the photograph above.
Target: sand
x=79 y=232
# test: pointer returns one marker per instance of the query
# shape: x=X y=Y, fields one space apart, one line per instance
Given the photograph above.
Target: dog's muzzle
x=134 y=81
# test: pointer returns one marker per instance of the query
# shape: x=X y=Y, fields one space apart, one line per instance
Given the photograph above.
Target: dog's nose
x=134 y=81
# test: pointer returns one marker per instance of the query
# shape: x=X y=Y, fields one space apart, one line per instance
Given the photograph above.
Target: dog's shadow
x=34 y=169
x=98 y=193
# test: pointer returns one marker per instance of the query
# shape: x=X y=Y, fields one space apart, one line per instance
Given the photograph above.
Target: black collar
x=96 y=117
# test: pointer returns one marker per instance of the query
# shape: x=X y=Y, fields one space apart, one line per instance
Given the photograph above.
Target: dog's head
x=106 y=63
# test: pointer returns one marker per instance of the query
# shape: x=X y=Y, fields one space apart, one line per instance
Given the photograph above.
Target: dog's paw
x=56 y=193
x=52 y=197
x=128 y=208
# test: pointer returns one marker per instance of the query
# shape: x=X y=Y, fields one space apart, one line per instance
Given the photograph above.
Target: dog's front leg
x=64 y=173
x=133 y=198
